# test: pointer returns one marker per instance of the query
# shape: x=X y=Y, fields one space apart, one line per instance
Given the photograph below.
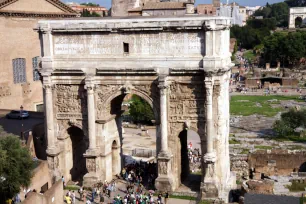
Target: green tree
x=289 y=122
x=140 y=110
x=296 y=3
x=86 y=13
x=16 y=166
x=90 y=4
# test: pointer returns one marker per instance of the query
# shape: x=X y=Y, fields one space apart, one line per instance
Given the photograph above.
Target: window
x=19 y=70
x=36 y=76
x=126 y=48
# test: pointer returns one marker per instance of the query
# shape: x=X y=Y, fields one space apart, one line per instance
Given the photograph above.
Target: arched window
x=35 y=67
x=19 y=70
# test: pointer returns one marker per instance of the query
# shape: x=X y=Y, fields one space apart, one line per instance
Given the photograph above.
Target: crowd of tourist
x=194 y=156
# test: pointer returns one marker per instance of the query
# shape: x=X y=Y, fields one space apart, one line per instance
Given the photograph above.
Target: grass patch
x=204 y=202
x=263 y=147
x=296 y=187
x=249 y=55
x=197 y=173
x=245 y=151
x=183 y=197
x=295 y=147
x=234 y=141
x=293 y=138
x=71 y=187
x=246 y=105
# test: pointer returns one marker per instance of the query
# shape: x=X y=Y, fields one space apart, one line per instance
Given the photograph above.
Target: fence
x=147 y=153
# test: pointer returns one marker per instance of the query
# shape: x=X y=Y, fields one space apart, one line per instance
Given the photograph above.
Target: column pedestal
x=93 y=167
x=164 y=182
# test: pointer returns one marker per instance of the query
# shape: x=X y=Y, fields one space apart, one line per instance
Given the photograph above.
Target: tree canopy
x=90 y=4
x=289 y=121
x=286 y=48
x=16 y=166
x=140 y=110
x=86 y=13
x=296 y=3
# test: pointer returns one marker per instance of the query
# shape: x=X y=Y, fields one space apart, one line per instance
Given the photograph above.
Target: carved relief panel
x=91 y=164
x=70 y=101
x=53 y=162
x=187 y=104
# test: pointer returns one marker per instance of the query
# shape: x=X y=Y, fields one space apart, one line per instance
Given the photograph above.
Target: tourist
x=159 y=198
x=84 y=195
x=81 y=193
x=63 y=180
x=68 y=198
x=101 y=197
x=73 y=197
x=69 y=193
x=166 y=197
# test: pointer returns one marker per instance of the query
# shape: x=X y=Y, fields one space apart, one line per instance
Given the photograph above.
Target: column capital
x=163 y=87
x=90 y=87
x=210 y=158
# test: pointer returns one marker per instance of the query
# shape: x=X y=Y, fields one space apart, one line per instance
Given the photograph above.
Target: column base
x=91 y=153
x=53 y=151
x=164 y=155
x=164 y=183
x=209 y=190
x=90 y=179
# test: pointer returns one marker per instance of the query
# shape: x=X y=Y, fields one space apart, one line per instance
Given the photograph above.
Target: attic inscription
x=144 y=44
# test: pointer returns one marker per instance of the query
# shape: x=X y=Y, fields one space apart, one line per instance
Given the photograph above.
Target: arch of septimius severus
x=181 y=66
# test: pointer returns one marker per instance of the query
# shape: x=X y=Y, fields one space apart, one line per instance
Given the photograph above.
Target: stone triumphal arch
x=181 y=66
x=297 y=12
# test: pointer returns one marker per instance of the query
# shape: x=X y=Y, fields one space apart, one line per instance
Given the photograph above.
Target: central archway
x=298 y=22
x=141 y=155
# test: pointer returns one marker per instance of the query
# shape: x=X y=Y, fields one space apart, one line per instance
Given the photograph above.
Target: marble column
x=48 y=86
x=163 y=87
x=164 y=181
x=91 y=115
x=209 y=185
x=210 y=156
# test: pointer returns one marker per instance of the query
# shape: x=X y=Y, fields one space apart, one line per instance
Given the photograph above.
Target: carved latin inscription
x=146 y=44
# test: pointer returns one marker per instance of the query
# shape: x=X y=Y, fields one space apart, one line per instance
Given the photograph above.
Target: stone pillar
x=164 y=182
x=91 y=155
x=53 y=150
x=91 y=115
x=209 y=188
x=164 y=117
x=210 y=155
x=50 y=132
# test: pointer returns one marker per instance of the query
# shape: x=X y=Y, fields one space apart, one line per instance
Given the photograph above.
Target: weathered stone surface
x=179 y=68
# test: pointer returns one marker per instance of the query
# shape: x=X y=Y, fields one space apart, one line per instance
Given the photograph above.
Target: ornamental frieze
x=70 y=99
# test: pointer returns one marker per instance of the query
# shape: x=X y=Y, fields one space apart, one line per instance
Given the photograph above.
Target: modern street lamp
x=21 y=110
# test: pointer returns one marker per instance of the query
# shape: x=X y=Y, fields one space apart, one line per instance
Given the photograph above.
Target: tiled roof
x=57 y=3
x=164 y=5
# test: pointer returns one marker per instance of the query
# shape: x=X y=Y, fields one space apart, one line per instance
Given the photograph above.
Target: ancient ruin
x=181 y=66
x=297 y=12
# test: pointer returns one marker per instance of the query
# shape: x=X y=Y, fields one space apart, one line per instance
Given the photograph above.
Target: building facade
x=102 y=11
x=152 y=7
x=206 y=9
x=180 y=66
x=20 y=50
